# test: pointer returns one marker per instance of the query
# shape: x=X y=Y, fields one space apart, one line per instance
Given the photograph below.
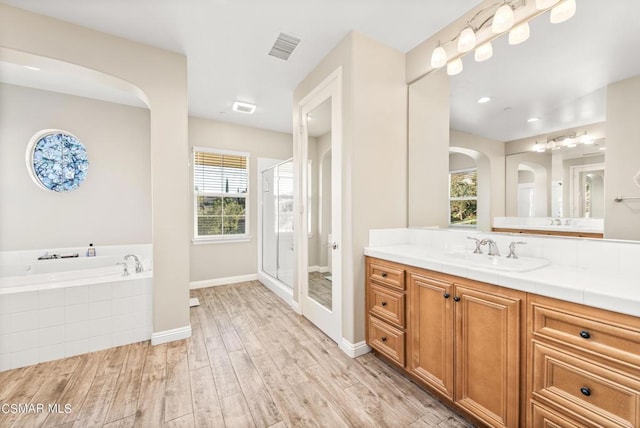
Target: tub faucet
x=139 y=267
x=493 y=247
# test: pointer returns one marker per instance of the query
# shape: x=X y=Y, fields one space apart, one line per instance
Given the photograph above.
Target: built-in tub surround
x=51 y=309
x=598 y=273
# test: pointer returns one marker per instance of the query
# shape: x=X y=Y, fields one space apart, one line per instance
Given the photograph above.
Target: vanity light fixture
x=503 y=19
x=483 y=52
x=466 y=40
x=243 y=107
x=454 y=67
x=483 y=100
x=438 y=57
x=519 y=34
x=563 y=11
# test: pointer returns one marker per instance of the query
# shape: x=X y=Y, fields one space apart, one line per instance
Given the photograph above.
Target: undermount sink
x=521 y=264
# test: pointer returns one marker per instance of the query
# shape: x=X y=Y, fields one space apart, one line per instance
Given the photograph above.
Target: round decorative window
x=57 y=160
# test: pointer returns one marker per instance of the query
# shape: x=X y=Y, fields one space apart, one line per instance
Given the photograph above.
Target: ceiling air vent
x=284 y=46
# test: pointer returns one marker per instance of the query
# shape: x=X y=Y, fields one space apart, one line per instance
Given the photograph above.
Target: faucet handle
x=512 y=249
x=125 y=267
x=478 y=249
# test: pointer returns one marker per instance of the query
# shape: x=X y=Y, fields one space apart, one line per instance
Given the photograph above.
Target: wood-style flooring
x=320 y=288
x=250 y=362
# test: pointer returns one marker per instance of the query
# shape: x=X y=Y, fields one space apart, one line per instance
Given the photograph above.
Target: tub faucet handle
x=125 y=267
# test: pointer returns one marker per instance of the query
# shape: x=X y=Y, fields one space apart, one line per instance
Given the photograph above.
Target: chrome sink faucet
x=493 y=247
x=512 y=249
x=139 y=267
x=478 y=249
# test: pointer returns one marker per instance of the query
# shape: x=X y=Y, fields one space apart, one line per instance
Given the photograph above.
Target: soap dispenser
x=91 y=251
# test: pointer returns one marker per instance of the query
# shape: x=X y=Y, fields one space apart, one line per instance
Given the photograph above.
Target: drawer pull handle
x=383 y=338
x=585 y=391
x=585 y=334
x=383 y=274
x=383 y=303
x=446 y=295
x=456 y=299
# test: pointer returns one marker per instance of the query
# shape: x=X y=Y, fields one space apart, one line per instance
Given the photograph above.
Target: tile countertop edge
x=627 y=304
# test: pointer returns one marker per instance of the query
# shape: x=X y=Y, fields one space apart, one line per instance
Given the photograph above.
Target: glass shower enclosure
x=277 y=222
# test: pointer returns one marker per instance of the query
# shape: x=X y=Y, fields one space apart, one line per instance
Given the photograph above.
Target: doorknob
x=334 y=245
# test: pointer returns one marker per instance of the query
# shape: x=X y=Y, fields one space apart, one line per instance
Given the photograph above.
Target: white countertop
x=599 y=286
x=549 y=224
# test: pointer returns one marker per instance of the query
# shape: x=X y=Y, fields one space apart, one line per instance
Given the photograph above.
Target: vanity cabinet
x=461 y=337
x=583 y=365
x=464 y=342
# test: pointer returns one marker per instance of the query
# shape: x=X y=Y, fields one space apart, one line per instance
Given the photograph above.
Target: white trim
x=278 y=288
x=354 y=350
x=220 y=151
x=171 y=335
x=321 y=269
x=222 y=281
x=220 y=240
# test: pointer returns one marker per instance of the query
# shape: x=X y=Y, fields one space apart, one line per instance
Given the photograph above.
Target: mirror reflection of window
x=463 y=197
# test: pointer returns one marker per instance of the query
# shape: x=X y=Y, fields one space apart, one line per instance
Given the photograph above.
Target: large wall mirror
x=552 y=90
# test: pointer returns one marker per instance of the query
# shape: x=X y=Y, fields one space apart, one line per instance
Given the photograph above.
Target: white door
x=320 y=256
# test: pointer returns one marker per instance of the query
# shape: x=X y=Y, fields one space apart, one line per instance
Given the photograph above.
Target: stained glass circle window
x=57 y=160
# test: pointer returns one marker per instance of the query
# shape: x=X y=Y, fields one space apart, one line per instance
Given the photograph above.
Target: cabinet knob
x=585 y=391
x=383 y=274
x=585 y=334
x=383 y=303
x=456 y=299
x=446 y=295
x=383 y=338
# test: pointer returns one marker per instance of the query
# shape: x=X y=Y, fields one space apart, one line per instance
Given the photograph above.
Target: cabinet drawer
x=385 y=274
x=614 y=340
x=541 y=417
x=387 y=340
x=387 y=304
x=594 y=392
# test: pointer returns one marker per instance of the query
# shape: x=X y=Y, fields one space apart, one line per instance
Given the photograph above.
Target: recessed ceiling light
x=533 y=119
x=242 y=107
x=28 y=67
x=483 y=100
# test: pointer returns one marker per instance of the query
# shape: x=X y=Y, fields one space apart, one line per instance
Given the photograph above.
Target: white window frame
x=466 y=198
x=217 y=239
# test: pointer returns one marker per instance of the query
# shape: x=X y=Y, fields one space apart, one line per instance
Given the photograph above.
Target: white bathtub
x=52 y=309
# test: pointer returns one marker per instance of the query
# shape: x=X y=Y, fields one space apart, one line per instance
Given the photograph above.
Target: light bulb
x=545 y=4
x=519 y=34
x=483 y=52
x=438 y=57
x=563 y=11
x=466 y=40
x=454 y=67
x=503 y=19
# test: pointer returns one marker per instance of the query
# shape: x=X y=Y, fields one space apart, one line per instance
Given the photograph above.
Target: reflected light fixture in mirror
x=466 y=40
x=519 y=34
x=454 y=67
x=563 y=11
x=483 y=52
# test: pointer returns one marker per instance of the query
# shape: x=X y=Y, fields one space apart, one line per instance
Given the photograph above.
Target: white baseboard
x=280 y=290
x=179 y=333
x=321 y=269
x=222 y=281
x=354 y=349
x=296 y=307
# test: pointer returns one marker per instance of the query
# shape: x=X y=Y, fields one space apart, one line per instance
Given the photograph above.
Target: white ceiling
x=560 y=74
x=226 y=42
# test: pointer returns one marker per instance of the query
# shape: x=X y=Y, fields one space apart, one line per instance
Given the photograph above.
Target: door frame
x=330 y=322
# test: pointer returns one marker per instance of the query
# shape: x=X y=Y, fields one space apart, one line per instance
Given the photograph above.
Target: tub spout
x=139 y=267
x=47 y=256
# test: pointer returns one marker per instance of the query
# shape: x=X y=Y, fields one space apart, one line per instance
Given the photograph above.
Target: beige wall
x=622 y=219
x=111 y=207
x=374 y=156
x=221 y=260
x=458 y=161
x=428 y=174
x=162 y=76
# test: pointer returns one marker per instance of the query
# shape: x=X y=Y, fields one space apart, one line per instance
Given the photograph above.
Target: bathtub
x=51 y=309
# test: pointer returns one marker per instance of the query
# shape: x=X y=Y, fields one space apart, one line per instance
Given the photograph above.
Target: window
x=220 y=180
x=463 y=197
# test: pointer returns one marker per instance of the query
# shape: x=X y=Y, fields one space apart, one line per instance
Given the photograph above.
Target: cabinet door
x=431 y=332
x=488 y=355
